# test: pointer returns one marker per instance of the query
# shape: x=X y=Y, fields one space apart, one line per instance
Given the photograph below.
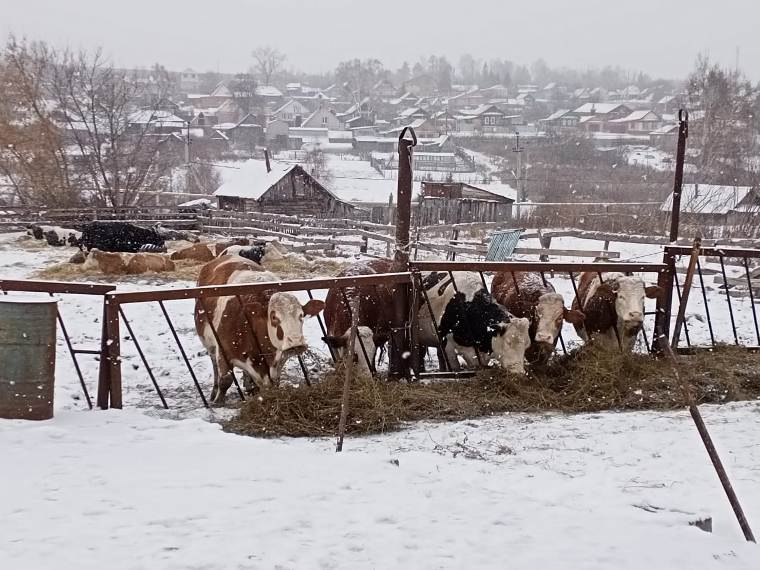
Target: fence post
x=113 y=348
x=664 y=302
x=675 y=209
x=104 y=369
x=399 y=347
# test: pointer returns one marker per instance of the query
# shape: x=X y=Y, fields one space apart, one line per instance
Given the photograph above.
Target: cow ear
x=575 y=317
x=312 y=308
x=335 y=341
x=654 y=292
x=606 y=290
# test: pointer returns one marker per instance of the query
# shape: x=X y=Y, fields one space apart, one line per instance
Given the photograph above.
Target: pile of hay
x=585 y=381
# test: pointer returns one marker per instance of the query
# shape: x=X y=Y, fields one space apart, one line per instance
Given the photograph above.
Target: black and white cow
x=471 y=323
x=54 y=235
x=118 y=236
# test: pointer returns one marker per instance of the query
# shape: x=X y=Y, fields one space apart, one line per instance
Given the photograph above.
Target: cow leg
x=248 y=384
x=215 y=367
x=451 y=355
x=225 y=381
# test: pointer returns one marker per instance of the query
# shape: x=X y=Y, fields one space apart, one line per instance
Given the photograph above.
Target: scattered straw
x=587 y=380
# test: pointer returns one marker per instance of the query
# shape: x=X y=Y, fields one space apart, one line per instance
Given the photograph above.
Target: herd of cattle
x=518 y=321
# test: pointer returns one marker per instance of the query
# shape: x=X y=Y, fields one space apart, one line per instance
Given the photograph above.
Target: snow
x=650 y=157
x=252 y=180
x=708 y=198
x=148 y=488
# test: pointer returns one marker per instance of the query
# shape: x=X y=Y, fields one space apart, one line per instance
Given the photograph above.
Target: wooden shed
x=279 y=188
x=454 y=202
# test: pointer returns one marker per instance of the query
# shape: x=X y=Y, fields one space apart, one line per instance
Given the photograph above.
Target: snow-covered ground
x=148 y=488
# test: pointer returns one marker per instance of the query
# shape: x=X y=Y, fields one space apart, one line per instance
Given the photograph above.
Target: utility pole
x=522 y=193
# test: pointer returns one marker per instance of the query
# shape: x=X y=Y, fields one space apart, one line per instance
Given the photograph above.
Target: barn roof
x=252 y=179
x=708 y=198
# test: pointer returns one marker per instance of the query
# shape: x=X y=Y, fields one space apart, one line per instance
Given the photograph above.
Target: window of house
x=324 y=120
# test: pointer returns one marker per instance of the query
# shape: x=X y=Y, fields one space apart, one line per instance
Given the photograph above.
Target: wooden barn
x=279 y=188
x=454 y=202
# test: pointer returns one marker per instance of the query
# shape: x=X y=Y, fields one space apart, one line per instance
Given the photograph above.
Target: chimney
x=266 y=158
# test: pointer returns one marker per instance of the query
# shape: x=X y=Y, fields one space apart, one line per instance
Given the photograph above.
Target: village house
x=665 y=138
x=323 y=118
x=423 y=84
x=384 y=89
x=471 y=98
x=363 y=110
x=715 y=205
x=189 y=81
x=561 y=119
x=410 y=114
x=219 y=95
x=636 y=123
x=279 y=188
x=243 y=135
x=486 y=119
x=276 y=134
x=269 y=95
x=292 y=112
x=594 y=117
x=455 y=202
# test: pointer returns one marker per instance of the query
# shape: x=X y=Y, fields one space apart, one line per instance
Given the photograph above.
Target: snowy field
x=149 y=488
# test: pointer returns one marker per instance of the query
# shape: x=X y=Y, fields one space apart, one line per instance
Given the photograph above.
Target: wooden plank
x=576 y=267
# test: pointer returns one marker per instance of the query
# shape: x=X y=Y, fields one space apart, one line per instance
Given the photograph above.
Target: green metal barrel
x=27 y=357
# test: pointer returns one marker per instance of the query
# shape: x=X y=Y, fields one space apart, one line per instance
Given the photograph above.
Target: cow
x=54 y=235
x=258 y=332
x=175 y=235
x=471 y=323
x=118 y=236
x=144 y=262
x=196 y=252
x=528 y=295
x=613 y=303
x=105 y=262
x=374 y=314
x=219 y=247
x=254 y=252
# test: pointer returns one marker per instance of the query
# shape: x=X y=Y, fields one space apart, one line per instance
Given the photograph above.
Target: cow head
x=364 y=343
x=550 y=312
x=629 y=294
x=510 y=343
x=285 y=316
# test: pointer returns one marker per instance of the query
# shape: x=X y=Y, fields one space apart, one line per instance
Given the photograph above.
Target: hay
x=295 y=266
x=587 y=380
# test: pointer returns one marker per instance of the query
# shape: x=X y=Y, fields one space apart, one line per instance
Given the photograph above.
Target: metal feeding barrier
x=53 y=288
x=110 y=391
x=750 y=278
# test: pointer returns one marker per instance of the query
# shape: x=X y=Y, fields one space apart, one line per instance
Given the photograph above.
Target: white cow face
x=510 y=345
x=285 y=321
x=550 y=313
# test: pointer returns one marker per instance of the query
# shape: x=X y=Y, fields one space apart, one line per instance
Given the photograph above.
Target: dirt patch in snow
x=587 y=380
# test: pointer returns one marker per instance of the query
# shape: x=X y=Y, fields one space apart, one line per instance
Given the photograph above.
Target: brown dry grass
x=585 y=381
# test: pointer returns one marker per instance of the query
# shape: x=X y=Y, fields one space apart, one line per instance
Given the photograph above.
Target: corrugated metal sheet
x=502 y=245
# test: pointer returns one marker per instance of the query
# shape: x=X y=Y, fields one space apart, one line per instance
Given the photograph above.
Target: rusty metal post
x=113 y=350
x=685 y=292
x=675 y=210
x=665 y=281
x=104 y=371
x=693 y=409
x=398 y=366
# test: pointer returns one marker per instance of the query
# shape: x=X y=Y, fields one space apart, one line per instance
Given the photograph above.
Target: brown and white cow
x=144 y=262
x=374 y=313
x=105 y=261
x=195 y=252
x=614 y=302
x=275 y=318
x=471 y=322
x=526 y=294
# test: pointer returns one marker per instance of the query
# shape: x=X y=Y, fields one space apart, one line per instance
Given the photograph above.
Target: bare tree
x=315 y=163
x=76 y=129
x=269 y=61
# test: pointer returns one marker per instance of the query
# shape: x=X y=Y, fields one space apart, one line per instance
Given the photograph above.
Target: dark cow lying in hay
x=118 y=236
x=614 y=308
x=527 y=294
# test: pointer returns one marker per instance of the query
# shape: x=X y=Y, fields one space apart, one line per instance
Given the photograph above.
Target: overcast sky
x=659 y=37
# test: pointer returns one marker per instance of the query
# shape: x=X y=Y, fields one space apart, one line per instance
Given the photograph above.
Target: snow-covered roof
x=193 y=203
x=484 y=109
x=597 y=108
x=556 y=115
x=158 y=118
x=268 y=91
x=665 y=129
x=708 y=198
x=221 y=90
x=252 y=180
x=636 y=116
x=503 y=190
